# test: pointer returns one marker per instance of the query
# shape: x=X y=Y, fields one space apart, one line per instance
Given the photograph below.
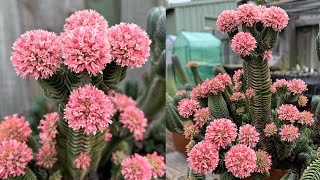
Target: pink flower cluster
x=226 y=21
x=270 y=129
x=121 y=101
x=133 y=119
x=129 y=45
x=250 y=93
x=48 y=127
x=263 y=162
x=201 y=116
x=237 y=79
x=14 y=127
x=224 y=79
x=158 y=167
x=181 y=92
x=86 y=18
x=14 y=158
x=82 y=162
x=241 y=161
x=267 y=55
x=302 y=100
x=295 y=86
x=221 y=132
x=136 y=167
x=289 y=133
x=243 y=43
x=36 y=53
x=248 y=135
x=276 y=18
x=280 y=84
x=249 y=14
x=288 y=112
x=47 y=154
x=187 y=107
x=88 y=109
x=190 y=130
x=203 y=157
x=306 y=118
x=86 y=48
x=237 y=96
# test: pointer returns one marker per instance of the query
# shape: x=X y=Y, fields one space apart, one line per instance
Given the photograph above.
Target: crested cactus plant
x=80 y=70
x=251 y=126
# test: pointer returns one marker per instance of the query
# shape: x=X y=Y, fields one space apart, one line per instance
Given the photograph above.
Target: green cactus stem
x=179 y=71
x=171 y=85
x=193 y=65
x=113 y=74
x=218 y=106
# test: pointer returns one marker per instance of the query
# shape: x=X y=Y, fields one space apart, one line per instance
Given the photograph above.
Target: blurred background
x=192 y=36
x=19 y=16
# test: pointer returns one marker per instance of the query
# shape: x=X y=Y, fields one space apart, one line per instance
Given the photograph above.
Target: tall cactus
x=81 y=71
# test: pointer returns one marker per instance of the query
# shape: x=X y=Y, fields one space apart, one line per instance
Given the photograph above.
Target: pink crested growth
x=297 y=86
x=14 y=158
x=133 y=119
x=215 y=86
x=224 y=78
x=237 y=79
x=192 y=64
x=221 y=132
x=226 y=21
x=190 y=130
x=187 y=107
x=108 y=135
x=129 y=45
x=86 y=18
x=121 y=101
x=280 y=84
x=88 y=109
x=237 y=96
x=206 y=87
x=118 y=157
x=302 y=100
x=158 y=167
x=276 y=18
x=270 y=129
x=288 y=112
x=263 y=162
x=36 y=53
x=136 y=167
x=14 y=127
x=46 y=156
x=181 y=92
x=86 y=48
x=243 y=43
x=306 y=118
x=202 y=116
x=248 y=14
x=248 y=135
x=267 y=55
x=82 y=162
x=203 y=157
x=48 y=127
x=241 y=161
x=289 y=133
x=196 y=93
x=250 y=93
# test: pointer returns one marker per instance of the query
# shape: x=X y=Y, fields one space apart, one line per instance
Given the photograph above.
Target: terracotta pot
x=275 y=174
x=180 y=142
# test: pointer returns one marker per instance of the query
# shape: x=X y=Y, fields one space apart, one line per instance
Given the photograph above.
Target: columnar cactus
x=80 y=70
x=233 y=128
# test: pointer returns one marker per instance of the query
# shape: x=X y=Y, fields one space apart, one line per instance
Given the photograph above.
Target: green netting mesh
x=201 y=47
